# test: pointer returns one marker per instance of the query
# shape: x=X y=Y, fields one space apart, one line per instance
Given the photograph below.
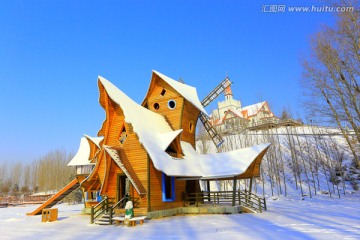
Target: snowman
x=129 y=212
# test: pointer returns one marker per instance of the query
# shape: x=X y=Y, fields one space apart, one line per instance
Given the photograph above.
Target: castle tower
x=228 y=93
x=229 y=104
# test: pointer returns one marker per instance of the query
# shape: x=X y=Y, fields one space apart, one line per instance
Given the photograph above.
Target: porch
x=205 y=202
x=216 y=202
x=243 y=198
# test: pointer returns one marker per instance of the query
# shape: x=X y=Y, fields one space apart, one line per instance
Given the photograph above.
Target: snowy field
x=319 y=218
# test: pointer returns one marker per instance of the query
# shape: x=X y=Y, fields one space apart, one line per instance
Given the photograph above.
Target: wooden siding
x=137 y=157
x=156 y=202
x=111 y=186
x=155 y=96
x=134 y=151
x=190 y=114
x=93 y=149
x=254 y=169
x=115 y=122
x=102 y=97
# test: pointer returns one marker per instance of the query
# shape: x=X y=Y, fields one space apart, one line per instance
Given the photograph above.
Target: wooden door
x=123 y=186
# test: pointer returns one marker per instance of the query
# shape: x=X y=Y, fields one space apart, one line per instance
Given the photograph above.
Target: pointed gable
x=83 y=154
x=253 y=109
x=186 y=91
x=94 y=143
x=153 y=130
x=230 y=114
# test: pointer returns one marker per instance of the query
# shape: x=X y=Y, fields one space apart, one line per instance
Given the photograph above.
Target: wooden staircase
x=104 y=219
x=57 y=197
x=104 y=211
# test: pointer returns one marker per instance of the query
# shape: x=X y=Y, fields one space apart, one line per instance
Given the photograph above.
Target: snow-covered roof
x=253 y=109
x=83 y=153
x=188 y=92
x=156 y=135
x=154 y=131
x=95 y=140
x=235 y=113
x=225 y=164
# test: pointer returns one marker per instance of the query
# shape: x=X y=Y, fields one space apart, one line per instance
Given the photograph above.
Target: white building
x=231 y=116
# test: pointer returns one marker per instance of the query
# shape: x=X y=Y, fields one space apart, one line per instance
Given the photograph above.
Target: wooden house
x=148 y=151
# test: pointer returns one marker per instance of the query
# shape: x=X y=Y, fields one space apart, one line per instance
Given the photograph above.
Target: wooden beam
x=120 y=158
x=234 y=191
x=251 y=180
x=208 y=188
x=148 y=185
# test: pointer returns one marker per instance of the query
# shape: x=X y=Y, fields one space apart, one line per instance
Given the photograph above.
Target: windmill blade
x=216 y=92
x=215 y=137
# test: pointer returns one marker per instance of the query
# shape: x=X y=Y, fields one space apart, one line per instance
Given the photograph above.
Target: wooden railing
x=104 y=207
x=251 y=200
x=241 y=198
x=119 y=205
x=99 y=209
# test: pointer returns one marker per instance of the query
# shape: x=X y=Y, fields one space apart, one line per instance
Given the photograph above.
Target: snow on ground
x=317 y=218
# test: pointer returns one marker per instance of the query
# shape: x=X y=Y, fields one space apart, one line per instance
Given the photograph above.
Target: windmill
x=214 y=135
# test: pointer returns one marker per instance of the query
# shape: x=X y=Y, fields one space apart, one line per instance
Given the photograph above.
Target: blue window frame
x=168 y=188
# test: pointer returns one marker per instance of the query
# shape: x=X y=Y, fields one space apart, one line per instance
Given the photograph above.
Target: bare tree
x=332 y=72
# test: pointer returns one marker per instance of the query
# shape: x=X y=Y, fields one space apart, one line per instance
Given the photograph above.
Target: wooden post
x=92 y=215
x=208 y=189
x=259 y=202
x=251 y=180
x=234 y=192
x=185 y=198
x=214 y=203
x=148 y=185
x=111 y=215
x=265 y=208
x=246 y=196
x=106 y=204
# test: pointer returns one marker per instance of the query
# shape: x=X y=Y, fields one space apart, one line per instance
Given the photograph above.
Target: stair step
x=101 y=223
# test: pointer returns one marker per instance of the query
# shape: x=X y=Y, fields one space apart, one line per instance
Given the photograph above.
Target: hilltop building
x=230 y=116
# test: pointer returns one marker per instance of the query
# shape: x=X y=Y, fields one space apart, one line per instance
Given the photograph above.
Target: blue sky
x=51 y=53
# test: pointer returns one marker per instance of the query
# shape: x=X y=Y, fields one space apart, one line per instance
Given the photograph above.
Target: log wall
x=156 y=202
x=156 y=97
x=190 y=115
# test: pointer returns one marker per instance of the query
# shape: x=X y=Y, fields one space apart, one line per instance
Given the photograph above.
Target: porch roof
x=82 y=156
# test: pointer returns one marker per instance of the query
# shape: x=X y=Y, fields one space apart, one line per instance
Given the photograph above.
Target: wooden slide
x=57 y=197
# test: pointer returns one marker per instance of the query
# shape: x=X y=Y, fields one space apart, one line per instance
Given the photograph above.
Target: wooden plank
x=190 y=114
x=119 y=156
x=57 y=197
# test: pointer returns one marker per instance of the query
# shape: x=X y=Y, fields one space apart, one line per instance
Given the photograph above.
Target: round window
x=171 y=104
x=156 y=106
x=191 y=126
